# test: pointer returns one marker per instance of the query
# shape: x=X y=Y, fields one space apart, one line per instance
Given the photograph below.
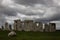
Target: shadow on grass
x=12 y=38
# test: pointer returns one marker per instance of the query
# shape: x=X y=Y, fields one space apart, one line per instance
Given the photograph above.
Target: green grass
x=31 y=36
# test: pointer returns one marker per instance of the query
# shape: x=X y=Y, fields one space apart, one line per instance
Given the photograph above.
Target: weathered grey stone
x=2 y=27
x=12 y=33
x=40 y=27
x=6 y=26
x=28 y=24
x=10 y=27
x=52 y=27
x=34 y=26
x=17 y=25
x=46 y=28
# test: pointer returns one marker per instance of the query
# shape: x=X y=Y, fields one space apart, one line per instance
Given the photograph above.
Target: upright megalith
x=38 y=26
x=10 y=27
x=46 y=27
x=52 y=27
x=28 y=24
x=17 y=25
x=2 y=27
x=22 y=26
x=35 y=26
x=6 y=26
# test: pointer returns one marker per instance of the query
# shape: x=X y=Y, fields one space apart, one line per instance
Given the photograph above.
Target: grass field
x=31 y=36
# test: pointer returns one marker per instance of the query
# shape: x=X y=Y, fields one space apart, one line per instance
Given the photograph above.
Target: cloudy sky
x=37 y=10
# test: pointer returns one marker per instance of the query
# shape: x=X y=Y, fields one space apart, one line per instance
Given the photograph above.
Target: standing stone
x=52 y=27
x=35 y=26
x=10 y=27
x=40 y=27
x=17 y=25
x=2 y=27
x=46 y=28
x=28 y=24
x=22 y=25
x=6 y=26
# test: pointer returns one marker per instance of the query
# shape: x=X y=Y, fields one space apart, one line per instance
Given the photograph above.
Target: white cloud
x=38 y=8
x=10 y=19
x=7 y=2
x=50 y=12
x=57 y=2
x=26 y=17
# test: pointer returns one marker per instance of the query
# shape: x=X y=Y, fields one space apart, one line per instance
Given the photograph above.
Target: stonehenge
x=30 y=25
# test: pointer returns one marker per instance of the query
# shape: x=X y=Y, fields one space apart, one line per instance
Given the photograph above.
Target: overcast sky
x=38 y=10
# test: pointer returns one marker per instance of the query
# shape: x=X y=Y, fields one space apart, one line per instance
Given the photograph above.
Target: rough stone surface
x=30 y=25
x=12 y=33
x=6 y=26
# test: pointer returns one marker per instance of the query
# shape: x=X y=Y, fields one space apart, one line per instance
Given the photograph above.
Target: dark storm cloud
x=34 y=14
x=31 y=7
x=30 y=2
x=12 y=11
x=52 y=14
x=27 y=11
x=39 y=10
x=7 y=11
